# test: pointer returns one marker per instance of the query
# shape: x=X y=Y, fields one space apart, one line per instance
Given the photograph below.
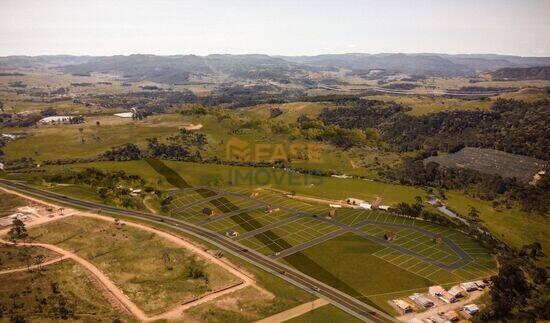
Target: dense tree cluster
x=519 y=292
x=487 y=186
x=513 y=126
x=19 y=120
x=336 y=135
x=162 y=150
x=124 y=152
x=113 y=187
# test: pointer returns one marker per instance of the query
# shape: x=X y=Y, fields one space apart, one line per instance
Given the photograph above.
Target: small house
x=441 y=293
x=469 y=286
x=390 y=236
x=335 y=206
x=421 y=300
x=456 y=291
x=254 y=194
x=384 y=207
x=480 y=284
x=471 y=309
x=332 y=213
x=208 y=211
x=403 y=306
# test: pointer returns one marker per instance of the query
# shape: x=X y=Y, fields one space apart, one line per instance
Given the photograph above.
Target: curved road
x=345 y=302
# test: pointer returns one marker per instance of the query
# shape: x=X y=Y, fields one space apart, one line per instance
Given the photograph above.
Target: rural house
x=390 y=236
x=403 y=306
x=208 y=211
x=421 y=300
x=441 y=293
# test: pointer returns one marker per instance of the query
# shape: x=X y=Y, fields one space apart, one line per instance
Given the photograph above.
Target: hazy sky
x=283 y=27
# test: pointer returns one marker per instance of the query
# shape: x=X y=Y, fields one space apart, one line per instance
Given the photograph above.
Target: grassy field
x=65 y=141
x=285 y=295
x=9 y=202
x=37 y=297
x=325 y=314
x=149 y=269
x=251 y=177
x=12 y=257
x=512 y=226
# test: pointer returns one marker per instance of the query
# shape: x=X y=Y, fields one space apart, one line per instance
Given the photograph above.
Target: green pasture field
x=149 y=269
x=53 y=142
x=223 y=176
x=512 y=226
x=81 y=292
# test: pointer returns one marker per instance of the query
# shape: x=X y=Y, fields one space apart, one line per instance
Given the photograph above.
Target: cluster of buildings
x=55 y=119
x=439 y=295
x=360 y=204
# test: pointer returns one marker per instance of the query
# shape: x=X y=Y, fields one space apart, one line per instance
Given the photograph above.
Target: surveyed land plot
x=255 y=219
x=295 y=233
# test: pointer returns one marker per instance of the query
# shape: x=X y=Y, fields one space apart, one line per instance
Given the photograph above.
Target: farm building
x=383 y=207
x=441 y=293
x=365 y=205
x=55 y=119
x=124 y=114
x=335 y=206
x=354 y=201
x=469 y=286
x=403 y=306
x=480 y=284
x=208 y=211
x=471 y=309
x=332 y=213
x=254 y=194
x=390 y=236
x=456 y=291
x=421 y=300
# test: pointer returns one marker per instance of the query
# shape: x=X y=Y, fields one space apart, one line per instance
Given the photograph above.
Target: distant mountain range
x=177 y=68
